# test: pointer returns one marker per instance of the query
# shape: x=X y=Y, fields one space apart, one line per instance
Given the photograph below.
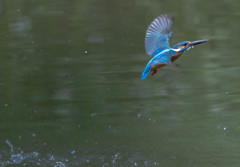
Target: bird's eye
x=185 y=44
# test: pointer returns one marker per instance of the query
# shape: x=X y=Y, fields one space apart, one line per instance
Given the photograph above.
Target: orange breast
x=177 y=55
x=157 y=66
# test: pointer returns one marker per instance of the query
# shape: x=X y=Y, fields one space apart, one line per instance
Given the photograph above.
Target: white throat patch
x=176 y=50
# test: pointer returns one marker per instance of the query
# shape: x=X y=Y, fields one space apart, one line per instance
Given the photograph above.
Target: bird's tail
x=145 y=72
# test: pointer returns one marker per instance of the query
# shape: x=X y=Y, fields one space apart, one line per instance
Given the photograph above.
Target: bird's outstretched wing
x=158 y=34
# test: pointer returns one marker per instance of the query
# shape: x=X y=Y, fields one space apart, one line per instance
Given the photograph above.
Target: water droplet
x=51 y=158
x=18 y=10
x=139 y=115
x=33 y=135
x=73 y=152
x=225 y=128
x=86 y=51
x=59 y=164
x=35 y=154
x=5 y=105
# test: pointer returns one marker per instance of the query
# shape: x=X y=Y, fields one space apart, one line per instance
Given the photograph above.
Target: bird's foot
x=154 y=72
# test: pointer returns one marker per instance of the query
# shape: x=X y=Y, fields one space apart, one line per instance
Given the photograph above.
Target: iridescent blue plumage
x=158 y=34
x=157 y=44
x=159 y=59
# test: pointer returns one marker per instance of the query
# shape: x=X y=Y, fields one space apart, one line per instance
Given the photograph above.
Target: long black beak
x=198 y=42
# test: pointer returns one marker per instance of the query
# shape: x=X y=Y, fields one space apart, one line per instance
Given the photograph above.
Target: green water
x=71 y=92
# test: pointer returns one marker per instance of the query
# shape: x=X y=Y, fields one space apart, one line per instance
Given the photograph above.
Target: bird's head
x=186 y=45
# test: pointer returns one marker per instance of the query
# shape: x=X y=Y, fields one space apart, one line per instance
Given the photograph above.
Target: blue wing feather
x=161 y=58
x=158 y=34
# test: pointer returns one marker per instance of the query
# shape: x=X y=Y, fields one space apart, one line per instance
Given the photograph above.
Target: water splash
x=10 y=145
x=18 y=158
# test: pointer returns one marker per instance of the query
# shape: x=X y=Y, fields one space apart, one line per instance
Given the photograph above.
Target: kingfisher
x=157 y=45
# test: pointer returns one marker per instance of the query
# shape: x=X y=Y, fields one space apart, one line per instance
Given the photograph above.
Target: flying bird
x=157 y=45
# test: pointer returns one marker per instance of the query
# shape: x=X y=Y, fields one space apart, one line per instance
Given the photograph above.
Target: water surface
x=72 y=94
